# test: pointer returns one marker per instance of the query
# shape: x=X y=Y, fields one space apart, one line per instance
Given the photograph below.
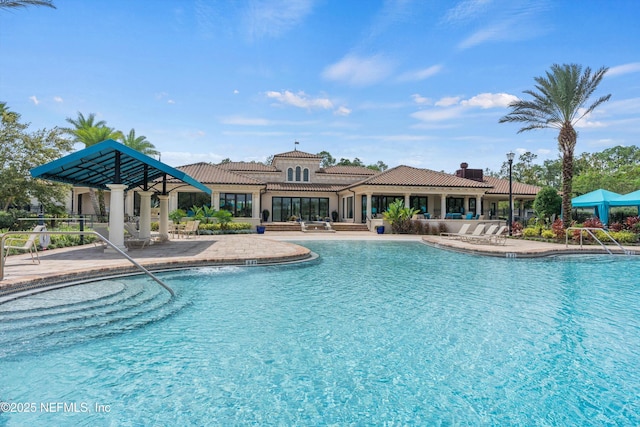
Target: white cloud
x=272 y=18
x=58 y=99
x=236 y=91
x=447 y=101
x=619 y=70
x=438 y=115
x=490 y=100
x=171 y=101
x=34 y=100
x=359 y=71
x=244 y=121
x=419 y=99
x=465 y=11
x=420 y=74
x=300 y=100
x=342 y=111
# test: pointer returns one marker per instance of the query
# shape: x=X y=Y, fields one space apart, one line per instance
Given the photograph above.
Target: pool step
x=66 y=316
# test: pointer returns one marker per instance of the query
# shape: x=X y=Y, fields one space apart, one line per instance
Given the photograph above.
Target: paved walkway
x=69 y=264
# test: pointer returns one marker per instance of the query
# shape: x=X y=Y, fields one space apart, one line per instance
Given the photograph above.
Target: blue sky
x=420 y=83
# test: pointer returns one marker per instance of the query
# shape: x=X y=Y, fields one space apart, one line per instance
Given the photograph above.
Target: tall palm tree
x=89 y=132
x=139 y=143
x=559 y=102
x=7 y=4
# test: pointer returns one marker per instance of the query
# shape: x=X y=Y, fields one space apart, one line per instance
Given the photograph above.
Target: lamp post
x=510 y=156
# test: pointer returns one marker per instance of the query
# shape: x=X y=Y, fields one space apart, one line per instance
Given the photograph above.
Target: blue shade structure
x=110 y=162
x=599 y=199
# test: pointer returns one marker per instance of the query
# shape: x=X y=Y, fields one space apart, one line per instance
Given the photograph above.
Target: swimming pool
x=371 y=333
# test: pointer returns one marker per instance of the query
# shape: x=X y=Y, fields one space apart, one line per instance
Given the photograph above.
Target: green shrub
x=548 y=234
x=624 y=236
x=531 y=232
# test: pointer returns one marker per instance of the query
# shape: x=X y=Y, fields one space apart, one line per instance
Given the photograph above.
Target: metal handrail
x=95 y=233
x=589 y=231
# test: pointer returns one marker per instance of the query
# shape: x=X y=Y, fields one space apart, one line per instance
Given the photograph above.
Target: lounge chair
x=134 y=240
x=491 y=236
x=102 y=230
x=463 y=230
x=22 y=244
x=191 y=228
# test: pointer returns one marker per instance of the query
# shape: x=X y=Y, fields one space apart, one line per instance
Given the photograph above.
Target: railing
x=101 y=237
x=590 y=232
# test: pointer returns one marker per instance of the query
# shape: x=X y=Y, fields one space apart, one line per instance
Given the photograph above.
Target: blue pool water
x=371 y=333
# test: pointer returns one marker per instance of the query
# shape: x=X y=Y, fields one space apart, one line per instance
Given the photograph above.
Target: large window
x=379 y=204
x=419 y=203
x=455 y=204
x=187 y=200
x=239 y=204
x=306 y=208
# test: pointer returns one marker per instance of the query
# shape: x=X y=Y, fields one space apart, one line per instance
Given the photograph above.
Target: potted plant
x=334 y=216
x=265 y=215
x=380 y=229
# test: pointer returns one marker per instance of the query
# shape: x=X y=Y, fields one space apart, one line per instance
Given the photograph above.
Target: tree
x=399 y=216
x=347 y=162
x=138 y=143
x=547 y=203
x=89 y=132
x=559 y=102
x=379 y=166
x=327 y=159
x=8 y=4
x=20 y=151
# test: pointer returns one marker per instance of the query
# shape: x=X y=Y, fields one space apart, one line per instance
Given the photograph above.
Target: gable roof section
x=501 y=186
x=213 y=174
x=110 y=162
x=348 y=170
x=410 y=176
x=247 y=167
x=295 y=154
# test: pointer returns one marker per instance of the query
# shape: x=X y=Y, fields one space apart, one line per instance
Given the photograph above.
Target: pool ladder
x=589 y=231
x=101 y=237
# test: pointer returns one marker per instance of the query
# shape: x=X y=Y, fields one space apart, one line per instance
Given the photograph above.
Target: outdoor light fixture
x=510 y=156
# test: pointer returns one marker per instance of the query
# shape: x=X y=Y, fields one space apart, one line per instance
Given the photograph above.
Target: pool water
x=371 y=333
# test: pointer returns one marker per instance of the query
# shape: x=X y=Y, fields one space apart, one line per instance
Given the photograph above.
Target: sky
x=420 y=83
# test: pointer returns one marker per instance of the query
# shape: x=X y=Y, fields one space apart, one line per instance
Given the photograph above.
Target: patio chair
x=477 y=232
x=191 y=228
x=489 y=237
x=22 y=244
x=134 y=240
x=102 y=230
x=463 y=230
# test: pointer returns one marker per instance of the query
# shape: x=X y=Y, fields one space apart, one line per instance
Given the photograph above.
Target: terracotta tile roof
x=298 y=155
x=294 y=186
x=247 y=167
x=501 y=186
x=207 y=173
x=410 y=176
x=348 y=170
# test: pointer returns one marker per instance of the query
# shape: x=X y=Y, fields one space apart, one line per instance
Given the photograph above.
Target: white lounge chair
x=476 y=232
x=102 y=230
x=191 y=228
x=463 y=230
x=491 y=236
x=135 y=241
x=22 y=244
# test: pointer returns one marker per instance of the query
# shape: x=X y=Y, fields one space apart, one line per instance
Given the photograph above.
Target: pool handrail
x=95 y=233
x=589 y=231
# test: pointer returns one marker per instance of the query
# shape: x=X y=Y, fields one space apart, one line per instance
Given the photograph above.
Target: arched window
x=290 y=174
x=298 y=171
x=305 y=175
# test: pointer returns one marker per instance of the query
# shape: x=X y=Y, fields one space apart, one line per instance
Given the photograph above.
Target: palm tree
x=559 y=102
x=89 y=132
x=7 y=4
x=139 y=143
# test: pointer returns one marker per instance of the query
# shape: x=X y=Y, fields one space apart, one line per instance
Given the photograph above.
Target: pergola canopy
x=599 y=199
x=110 y=162
x=630 y=199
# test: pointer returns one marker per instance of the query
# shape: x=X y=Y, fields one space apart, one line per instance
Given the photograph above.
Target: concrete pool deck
x=89 y=261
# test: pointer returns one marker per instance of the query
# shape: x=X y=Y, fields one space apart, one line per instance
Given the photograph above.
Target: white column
x=407 y=200
x=478 y=205
x=369 y=212
x=145 y=214
x=443 y=205
x=215 y=200
x=173 y=201
x=129 y=198
x=255 y=205
x=164 y=217
x=116 y=215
